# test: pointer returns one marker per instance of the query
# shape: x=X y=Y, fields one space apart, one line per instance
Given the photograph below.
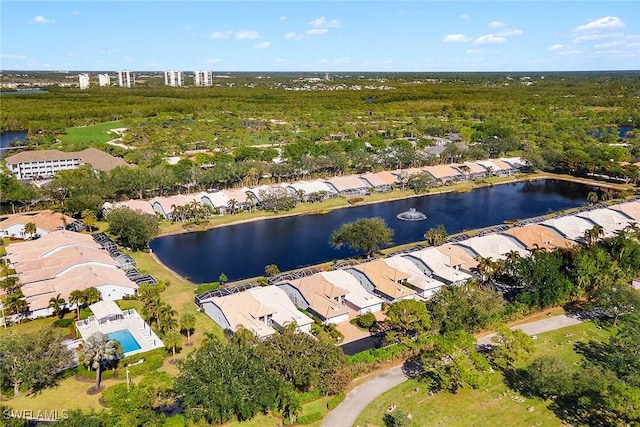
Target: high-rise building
x=173 y=78
x=104 y=79
x=83 y=79
x=202 y=78
x=126 y=79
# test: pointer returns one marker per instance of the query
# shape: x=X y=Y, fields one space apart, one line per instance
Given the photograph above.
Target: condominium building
x=126 y=79
x=202 y=78
x=83 y=79
x=173 y=78
x=104 y=79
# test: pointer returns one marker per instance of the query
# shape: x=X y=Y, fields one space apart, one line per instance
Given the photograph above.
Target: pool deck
x=131 y=321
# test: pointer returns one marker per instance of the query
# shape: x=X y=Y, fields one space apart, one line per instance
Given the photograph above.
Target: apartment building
x=173 y=78
x=202 y=78
x=83 y=80
x=126 y=79
x=104 y=80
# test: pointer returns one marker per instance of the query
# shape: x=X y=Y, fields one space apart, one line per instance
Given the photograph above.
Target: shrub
x=355 y=200
x=309 y=418
x=152 y=361
x=206 y=287
x=309 y=396
x=335 y=400
x=366 y=321
x=63 y=323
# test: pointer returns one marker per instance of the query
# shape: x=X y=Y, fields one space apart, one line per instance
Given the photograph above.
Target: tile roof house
x=535 y=235
x=380 y=278
x=443 y=172
x=435 y=263
x=380 y=183
x=45 y=221
x=349 y=185
x=425 y=285
x=357 y=298
x=495 y=246
x=319 y=296
x=630 y=209
x=610 y=220
x=458 y=258
x=143 y=206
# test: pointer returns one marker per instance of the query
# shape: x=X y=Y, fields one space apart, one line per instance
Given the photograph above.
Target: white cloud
x=10 y=56
x=496 y=24
x=464 y=17
x=317 y=31
x=213 y=61
x=221 y=34
x=293 y=36
x=571 y=52
x=41 y=20
x=602 y=23
x=555 y=47
x=322 y=22
x=595 y=36
x=456 y=38
x=507 y=33
x=247 y=35
x=263 y=45
x=474 y=52
x=489 y=39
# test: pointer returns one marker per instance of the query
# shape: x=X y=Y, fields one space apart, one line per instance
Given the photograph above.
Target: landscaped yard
x=94 y=133
x=495 y=404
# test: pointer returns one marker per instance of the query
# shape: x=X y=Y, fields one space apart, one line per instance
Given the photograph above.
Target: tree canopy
x=367 y=234
x=132 y=229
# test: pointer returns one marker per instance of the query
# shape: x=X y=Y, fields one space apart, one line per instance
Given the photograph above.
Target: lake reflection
x=243 y=250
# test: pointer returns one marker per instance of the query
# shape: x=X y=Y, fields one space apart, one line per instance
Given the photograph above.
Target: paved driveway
x=346 y=413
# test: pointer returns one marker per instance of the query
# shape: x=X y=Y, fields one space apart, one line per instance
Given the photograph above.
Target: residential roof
x=143 y=206
x=285 y=312
x=167 y=203
x=538 y=235
x=309 y=187
x=571 y=226
x=46 y=220
x=103 y=309
x=609 y=219
x=473 y=167
x=347 y=182
x=416 y=277
x=374 y=179
x=385 y=278
x=238 y=194
x=494 y=164
x=48 y=244
x=516 y=162
x=98 y=159
x=243 y=309
x=442 y=171
x=494 y=246
x=356 y=294
x=321 y=294
x=388 y=177
x=631 y=209
x=442 y=263
x=219 y=199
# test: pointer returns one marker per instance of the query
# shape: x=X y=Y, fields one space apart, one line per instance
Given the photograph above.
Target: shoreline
x=451 y=189
x=511 y=180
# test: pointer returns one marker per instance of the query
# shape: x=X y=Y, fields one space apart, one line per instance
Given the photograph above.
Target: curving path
x=346 y=413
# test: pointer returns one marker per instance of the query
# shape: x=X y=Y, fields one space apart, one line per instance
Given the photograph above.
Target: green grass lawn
x=495 y=404
x=95 y=133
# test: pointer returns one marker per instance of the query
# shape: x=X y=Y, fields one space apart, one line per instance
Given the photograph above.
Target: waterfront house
x=495 y=246
x=357 y=298
x=442 y=266
x=380 y=278
x=534 y=236
x=630 y=209
x=610 y=220
x=319 y=296
x=425 y=285
x=349 y=185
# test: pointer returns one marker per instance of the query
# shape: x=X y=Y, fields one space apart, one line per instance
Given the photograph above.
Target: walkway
x=346 y=413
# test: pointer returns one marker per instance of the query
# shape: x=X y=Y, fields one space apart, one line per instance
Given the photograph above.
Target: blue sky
x=320 y=35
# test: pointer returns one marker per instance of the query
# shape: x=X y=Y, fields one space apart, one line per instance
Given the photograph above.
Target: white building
x=83 y=80
x=126 y=79
x=202 y=78
x=104 y=80
x=173 y=78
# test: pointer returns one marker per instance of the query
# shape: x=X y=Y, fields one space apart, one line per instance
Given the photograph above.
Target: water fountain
x=411 y=215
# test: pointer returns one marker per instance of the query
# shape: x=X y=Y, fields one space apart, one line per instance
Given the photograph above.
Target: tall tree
x=133 y=229
x=97 y=351
x=367 y=234
x=408 y=320
x=173 y=340
x=436 y=236
x=188 y=324
x=77 y=297
x=57 y=304
x=30 y=229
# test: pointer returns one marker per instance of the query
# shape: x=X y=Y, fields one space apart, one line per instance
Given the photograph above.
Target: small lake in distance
x=243 y=250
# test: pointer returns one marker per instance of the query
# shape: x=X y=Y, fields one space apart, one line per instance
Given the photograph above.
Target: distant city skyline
x=324 y=36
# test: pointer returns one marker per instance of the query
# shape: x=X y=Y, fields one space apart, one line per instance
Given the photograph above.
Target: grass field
x=494 y=404
x=95 y=133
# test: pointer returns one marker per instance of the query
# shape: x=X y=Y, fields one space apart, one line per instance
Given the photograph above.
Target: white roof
x=356 y=294
x=440 y=264
x=609 y=219
x=285 y=311
x=494 y=246
x=416 y=277
x=571 y=226
x=218 y=199
x=311 y=186
x=102 y=309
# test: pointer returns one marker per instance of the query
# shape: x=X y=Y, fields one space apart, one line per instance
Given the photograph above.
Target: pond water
x=243 y=250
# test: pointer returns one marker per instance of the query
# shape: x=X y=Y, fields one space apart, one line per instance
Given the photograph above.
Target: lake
x=242 y=251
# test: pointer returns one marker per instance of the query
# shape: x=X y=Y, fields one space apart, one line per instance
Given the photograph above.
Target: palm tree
x=98 y=350
x=91 y=295
x=232 y=204
x=592 y=235
x=166 y=318
x=30 y=229
x=77 y=297
x=172 y=339
x=486 y=267
x=188 y=324
x=436 y=236
x=16 y=304
x=89 y=219
x=592 y=197
x=56 y=303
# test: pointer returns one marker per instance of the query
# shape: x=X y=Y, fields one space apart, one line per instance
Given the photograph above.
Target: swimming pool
x=126 y=340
